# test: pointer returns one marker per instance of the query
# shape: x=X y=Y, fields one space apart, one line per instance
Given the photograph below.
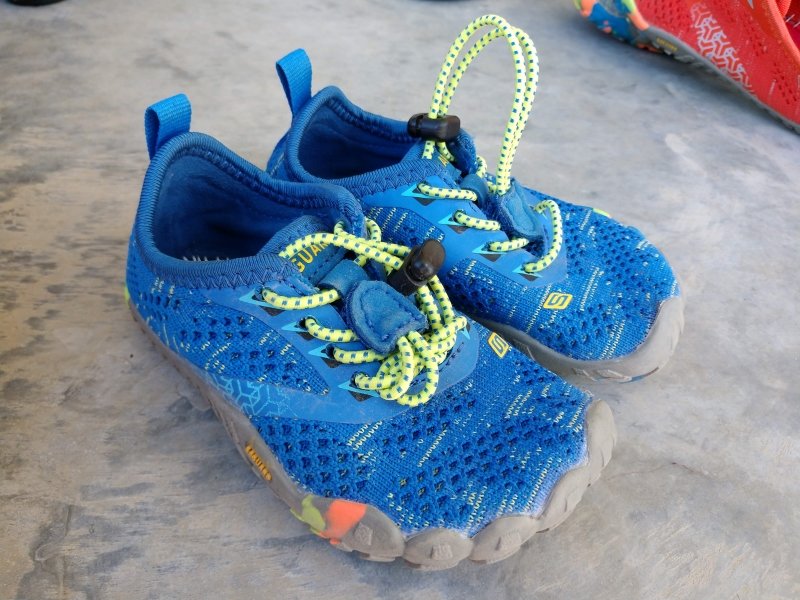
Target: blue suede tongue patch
x=465 y=153
x=313 y=262
x=378 y=313
x=514 y=210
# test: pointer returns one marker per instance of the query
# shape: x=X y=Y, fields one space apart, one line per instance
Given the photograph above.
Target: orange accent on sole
x=341 y=517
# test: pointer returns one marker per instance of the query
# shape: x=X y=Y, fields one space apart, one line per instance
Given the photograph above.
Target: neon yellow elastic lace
x=526 y=64
x=415 y=352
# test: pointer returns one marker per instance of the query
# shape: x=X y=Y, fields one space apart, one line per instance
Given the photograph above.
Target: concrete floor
x=113 y=485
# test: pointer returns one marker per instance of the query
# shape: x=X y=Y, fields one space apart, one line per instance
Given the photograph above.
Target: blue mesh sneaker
x=390 y=424
x=573 y=288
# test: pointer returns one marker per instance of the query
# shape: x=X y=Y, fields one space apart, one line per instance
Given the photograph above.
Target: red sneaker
x=753 y=43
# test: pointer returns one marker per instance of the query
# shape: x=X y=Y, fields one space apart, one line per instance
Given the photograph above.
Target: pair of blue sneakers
x=318 y=306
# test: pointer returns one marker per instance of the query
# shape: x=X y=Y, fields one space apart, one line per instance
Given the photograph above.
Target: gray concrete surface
x=112 y=485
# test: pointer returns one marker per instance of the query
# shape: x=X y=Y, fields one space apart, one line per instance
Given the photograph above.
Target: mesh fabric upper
x=403 y=226
x=618 y=281
x=215 y=338
x=494 y=444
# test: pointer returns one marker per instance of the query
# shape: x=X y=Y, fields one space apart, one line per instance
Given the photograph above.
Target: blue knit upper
x=617 y=281
x=494 y=439
x=616 y=277
x=494 y=444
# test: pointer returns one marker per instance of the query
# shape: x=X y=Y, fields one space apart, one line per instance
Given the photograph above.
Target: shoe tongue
x=415 y=151
x=415 y=154
x=313 y=262
x=783 y=6
x=464 y=153
x=463 y=150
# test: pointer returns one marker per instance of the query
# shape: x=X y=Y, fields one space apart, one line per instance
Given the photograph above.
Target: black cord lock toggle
x=441 y=129
x=419 y=267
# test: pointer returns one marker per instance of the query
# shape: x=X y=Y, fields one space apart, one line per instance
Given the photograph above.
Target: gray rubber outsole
x=648 y=358
x=376 y=537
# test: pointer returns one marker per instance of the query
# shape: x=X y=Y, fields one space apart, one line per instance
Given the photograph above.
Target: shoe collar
x=328 y=202
x=408 y=169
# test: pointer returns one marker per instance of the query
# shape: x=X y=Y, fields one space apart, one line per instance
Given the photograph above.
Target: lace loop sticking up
x=526 y=64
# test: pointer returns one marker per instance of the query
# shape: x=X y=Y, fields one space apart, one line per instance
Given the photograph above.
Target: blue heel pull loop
x=166 y=119
x=294 y=71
